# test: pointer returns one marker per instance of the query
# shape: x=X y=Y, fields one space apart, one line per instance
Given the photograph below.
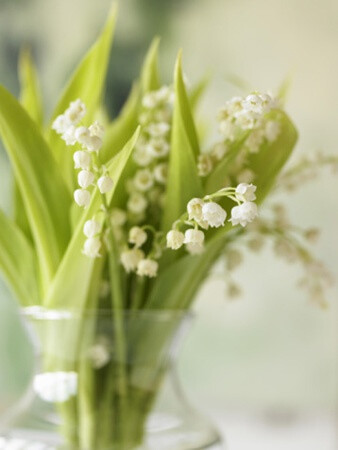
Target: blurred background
x=265 y=365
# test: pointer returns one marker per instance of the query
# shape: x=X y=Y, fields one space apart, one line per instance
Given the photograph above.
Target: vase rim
x=38 y=312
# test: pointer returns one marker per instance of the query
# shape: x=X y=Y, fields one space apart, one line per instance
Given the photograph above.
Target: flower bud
x=85 y=178
x=82 y=160
x=82 y=197
x=91 y=228
x=105 y=184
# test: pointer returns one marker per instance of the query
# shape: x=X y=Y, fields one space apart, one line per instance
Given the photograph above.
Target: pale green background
x=271 y=350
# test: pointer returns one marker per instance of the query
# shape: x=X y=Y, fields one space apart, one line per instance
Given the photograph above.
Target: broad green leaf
x=20 y=216
x=30 y=98
x=271 y=158
x=87 y=83
x=73 y=278
x=41 y=186
x=120 y=130
x=18 y=262
x=217 y=178
x=183 y=181
x=30 y=95
x=150 y=79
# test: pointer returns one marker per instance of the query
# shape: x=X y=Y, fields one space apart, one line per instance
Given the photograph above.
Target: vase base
x=26 y=439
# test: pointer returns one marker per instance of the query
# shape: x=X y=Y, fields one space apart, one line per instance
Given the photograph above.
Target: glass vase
x=107 y=381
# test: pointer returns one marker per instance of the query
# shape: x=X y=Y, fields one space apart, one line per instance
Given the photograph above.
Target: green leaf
x=271 y=158
x=30 y=96
x=87 y=83
x=18 y=262
x=73 y=278
x=183 y=180
x=41 y=186
x=150 y=79
x=218 y=177
x=120 y=130
x=20 y=216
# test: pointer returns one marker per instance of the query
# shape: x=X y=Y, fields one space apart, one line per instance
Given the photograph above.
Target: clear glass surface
x=107 y=381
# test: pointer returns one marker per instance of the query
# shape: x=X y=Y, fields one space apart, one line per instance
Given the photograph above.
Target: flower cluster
x=146 y=187
x=134 y=259
x=86 y=160
x=240 y=114
x=151 y=152
x=205 y=213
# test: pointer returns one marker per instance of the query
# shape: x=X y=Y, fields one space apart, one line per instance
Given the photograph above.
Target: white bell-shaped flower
x=131 y=258
x=137 y=236
x=91 y=247
x=85 y=178
x=91 y=228
x=61 y=124
x=96 y=129
x=69 y=135
x=105 y=184
x=161 y=173
x=175 y=239
x=147 y=268
x=94 y=144
x=143 y=180
x=194 y=208
x=213 y=214
x=82 y=160
x=137 y=203
x=76 y=111
x=244 y=213
x=246 y=192
x=193 y=236
x=82 y=197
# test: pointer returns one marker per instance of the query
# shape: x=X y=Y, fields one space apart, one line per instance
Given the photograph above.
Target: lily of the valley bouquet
x=127 y=217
